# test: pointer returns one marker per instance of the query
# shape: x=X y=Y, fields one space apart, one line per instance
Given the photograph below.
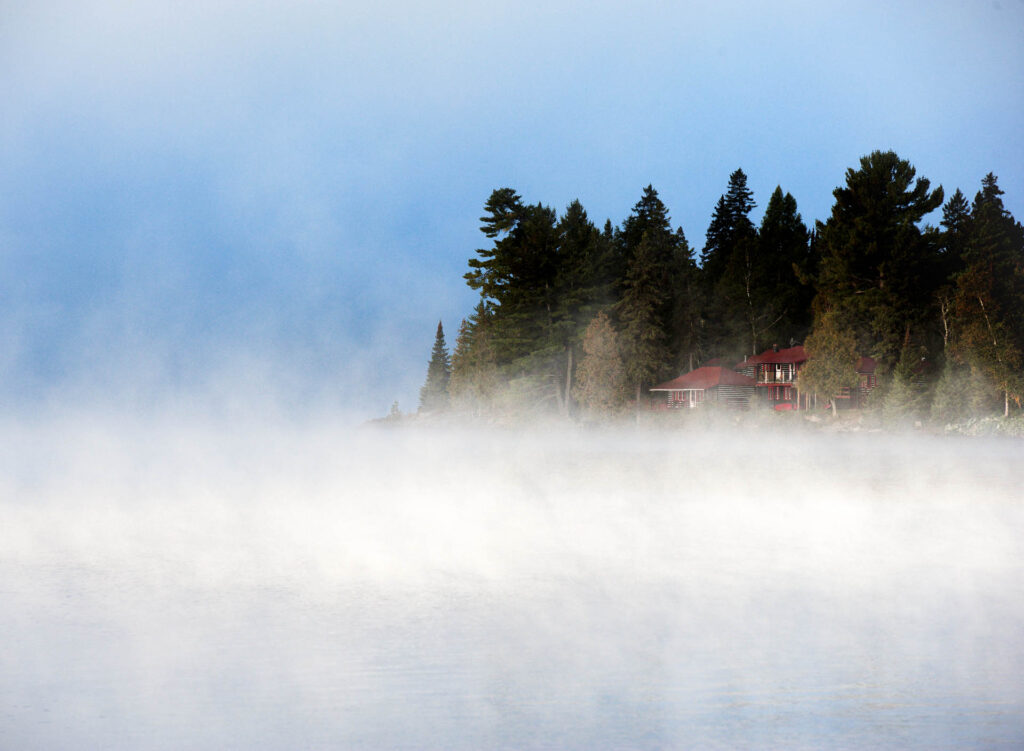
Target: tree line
x=573 y=317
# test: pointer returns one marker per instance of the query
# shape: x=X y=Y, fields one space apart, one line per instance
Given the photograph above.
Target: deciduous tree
x=601 y=376
x=831 y=359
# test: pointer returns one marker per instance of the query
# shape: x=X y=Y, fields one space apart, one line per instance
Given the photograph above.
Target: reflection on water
x=201 y=587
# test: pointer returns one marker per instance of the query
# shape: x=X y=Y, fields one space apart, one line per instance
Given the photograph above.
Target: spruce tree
x=434 y=393
x=729 y=223
x=656 y=261
x=956 y=225
x=782 y=302
x=729 y=263
x=641 y=311
x=989 y=295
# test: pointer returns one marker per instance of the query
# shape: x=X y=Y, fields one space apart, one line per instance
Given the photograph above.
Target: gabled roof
x=771 y=357
x=706 y=378
x=797 y=355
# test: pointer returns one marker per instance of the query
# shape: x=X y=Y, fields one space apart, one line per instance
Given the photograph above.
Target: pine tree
x=516 y=277
x=877 y=267
x=434 y=393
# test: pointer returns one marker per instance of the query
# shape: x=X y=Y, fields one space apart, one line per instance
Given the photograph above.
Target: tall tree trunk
x=638 y=387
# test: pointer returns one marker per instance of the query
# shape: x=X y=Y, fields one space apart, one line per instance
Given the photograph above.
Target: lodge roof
x=798 y=355
x=706 y=377
x=773 y=356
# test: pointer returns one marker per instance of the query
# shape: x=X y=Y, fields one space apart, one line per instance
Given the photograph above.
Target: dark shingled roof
x=705 y=378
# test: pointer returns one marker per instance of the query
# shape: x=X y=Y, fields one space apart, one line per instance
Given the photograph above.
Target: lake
x=172 y=583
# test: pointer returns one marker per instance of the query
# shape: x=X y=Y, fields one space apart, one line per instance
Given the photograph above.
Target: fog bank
x=181 y=582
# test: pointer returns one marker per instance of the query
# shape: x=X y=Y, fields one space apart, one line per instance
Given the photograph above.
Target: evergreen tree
x=474 y=373
x=949 y=402
x=956 y=224
x=729 y=223
x=582 y=284
x=434 y=393
x=831 y=359
x=641 y=311
x=877 y=268
x=685 y=323
x=989 y=295
x=784 y=252
x=729 y=265
x=651 y=310
x=904 y=399
x=516 y=276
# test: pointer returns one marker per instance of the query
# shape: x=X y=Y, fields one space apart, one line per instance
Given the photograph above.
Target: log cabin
x=710 y=383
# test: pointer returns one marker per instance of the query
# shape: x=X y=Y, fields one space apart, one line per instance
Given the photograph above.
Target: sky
x=235 y=202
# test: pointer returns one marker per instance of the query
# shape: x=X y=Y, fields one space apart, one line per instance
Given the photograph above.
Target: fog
x=183 y=582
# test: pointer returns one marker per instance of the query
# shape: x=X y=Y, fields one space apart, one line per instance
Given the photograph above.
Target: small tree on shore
x=434 y=393
x=831 y=359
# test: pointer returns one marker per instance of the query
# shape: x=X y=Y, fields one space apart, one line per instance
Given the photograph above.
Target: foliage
x=601 y=376
x=642 y=314
x=729 y=263
x=873 y=280
x=474 y=373
x=877 y=267
x=434 y=393
x=989 y=295
x=831 y=359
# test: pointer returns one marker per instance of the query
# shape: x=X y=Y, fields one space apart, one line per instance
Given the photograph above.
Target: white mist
x=179 y=583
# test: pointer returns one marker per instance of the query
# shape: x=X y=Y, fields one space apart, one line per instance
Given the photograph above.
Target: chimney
x=775 y=348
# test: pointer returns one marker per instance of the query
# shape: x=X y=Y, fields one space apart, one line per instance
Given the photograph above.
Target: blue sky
x=251 y=199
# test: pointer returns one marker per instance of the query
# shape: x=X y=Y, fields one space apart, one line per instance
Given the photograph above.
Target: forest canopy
x=579 y=319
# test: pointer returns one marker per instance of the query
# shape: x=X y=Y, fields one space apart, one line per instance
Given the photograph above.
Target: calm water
x=178 y=585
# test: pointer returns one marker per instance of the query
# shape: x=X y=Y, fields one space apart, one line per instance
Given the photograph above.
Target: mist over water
x=173 y=582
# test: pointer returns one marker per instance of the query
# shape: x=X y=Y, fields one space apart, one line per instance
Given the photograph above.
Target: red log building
x=711 y=383
x=768 y=379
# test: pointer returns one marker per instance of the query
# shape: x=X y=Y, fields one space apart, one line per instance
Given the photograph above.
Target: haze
x=286 y=194
x=178 y=582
